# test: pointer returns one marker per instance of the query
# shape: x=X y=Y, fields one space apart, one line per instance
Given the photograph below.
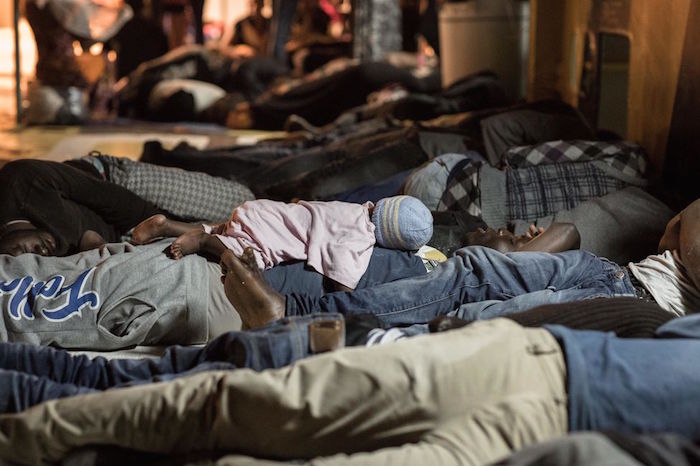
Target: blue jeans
x=33 y=374
x=478 y=283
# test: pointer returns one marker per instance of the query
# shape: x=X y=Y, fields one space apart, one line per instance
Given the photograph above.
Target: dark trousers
x=33 y=374
x=282 y=173
x=30 y=374
x=66 y=201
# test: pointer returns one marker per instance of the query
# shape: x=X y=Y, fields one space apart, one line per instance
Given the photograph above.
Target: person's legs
x=31 y=374
x=626 y=317
x=195 y=242
x=322 y=100
x=19 y=391
x=486 y=378
x=56 y=65
x=280 y=26
x=530 y=279
x=197 y=16
x=159 y=225
x=481 y=283
x=276 y=345
x=243 y=164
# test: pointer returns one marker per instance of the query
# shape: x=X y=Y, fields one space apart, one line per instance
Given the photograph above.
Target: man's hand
x=533 y=232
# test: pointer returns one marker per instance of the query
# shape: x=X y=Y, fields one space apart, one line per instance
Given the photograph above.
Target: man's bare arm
x=557 y=238
x=690 y=241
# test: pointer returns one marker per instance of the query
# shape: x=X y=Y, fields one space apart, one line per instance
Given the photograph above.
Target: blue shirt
x=634 y=385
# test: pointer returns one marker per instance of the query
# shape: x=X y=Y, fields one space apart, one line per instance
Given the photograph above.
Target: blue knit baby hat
x=402 y=222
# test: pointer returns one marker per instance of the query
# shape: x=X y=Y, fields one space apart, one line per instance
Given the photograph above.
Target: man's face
x=501 y=240
x=28 y=241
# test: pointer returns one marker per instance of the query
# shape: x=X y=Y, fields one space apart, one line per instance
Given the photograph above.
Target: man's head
x=22 y=241
x=501 y=240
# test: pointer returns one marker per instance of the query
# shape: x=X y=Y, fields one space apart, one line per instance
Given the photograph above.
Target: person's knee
x=31 y=171
x=22 y=174
x=23 y=168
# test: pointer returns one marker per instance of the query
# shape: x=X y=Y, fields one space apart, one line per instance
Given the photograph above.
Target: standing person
x=60 y=93
x=252 y=31
x=376 y=29
x=281 y=25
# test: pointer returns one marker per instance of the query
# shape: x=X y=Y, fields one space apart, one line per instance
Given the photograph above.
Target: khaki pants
x=467 y=396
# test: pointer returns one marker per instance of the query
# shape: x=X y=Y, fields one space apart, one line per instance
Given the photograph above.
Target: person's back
x=673 y=276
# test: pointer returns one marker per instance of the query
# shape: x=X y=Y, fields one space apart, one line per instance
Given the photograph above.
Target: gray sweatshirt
x=119 y=297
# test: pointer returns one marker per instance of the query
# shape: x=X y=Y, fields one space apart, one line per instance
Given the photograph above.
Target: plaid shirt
x=543 y=190
x=462 y=190
x=625 y=159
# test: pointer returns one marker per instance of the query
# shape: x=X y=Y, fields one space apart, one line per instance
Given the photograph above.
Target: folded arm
x=557 y=238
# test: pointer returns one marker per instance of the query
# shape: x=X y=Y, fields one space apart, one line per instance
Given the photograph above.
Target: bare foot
x=245 y=287
x=150 y=229
x=191 y=242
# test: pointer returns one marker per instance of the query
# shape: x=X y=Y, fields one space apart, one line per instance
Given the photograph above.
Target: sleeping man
x=468 y=396
x=463 y=397
x=54 y=209
x=541 y=391
x=481 y=283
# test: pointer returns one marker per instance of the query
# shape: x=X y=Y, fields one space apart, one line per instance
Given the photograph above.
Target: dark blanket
x=282 y=172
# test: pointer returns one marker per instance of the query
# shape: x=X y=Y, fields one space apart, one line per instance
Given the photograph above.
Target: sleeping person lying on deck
x=54 y=209
x=121 y=296
x=334 y=238
x=259 y=305
x=31 y=374
x=463 y=397
x=482 y=283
